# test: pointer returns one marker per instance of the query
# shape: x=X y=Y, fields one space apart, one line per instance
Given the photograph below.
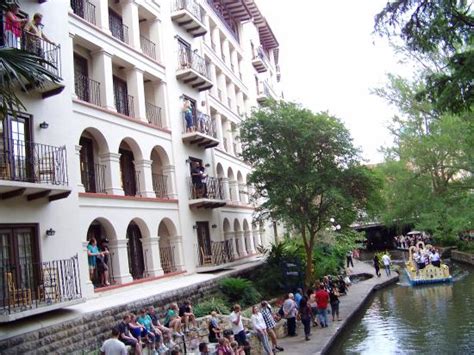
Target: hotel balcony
x=208 y=193
x=263 y=92
x=51 y=53
x=203 y=131
x=215 y=256
x=260 y=61
x=85 y=10
x=193 y=69
x=32 y=288
x=33 y=170
x=189 y=15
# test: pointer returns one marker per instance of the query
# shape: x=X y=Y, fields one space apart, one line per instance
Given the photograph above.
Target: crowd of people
x=406 y=241
x=424 y=256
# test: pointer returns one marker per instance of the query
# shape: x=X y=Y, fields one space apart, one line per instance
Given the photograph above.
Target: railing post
x=112 y=174
x=169 y=170
x=137 y=90
x=118 y=249
x=146 y=182
x=177 y=243
x=131 y=19
x=153 y=262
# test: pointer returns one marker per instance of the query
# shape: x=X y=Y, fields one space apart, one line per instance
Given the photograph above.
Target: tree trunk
x=309 y=268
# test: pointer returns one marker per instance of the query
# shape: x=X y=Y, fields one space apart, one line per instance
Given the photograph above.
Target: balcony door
x=88 y=177
x=135 y=251
x=18 y=256
x=116 y=26
x=15 y=154
x=127 y=168
x=81 y=75
x=204 y=238
x=121 y=96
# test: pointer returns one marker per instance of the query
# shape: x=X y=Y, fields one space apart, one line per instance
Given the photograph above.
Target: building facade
x=137 y=144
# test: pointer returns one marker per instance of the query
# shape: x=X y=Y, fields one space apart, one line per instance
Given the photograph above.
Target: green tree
x=429 y=27
x=306 y=169
x=429 y=171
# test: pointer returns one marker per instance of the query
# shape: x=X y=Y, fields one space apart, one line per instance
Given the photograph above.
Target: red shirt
x=322 y=298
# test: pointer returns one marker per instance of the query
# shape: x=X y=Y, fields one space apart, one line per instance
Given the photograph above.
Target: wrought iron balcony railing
x=208 y=187
x=86 y=89
x=202 y=123
x=118 y=30
x=93 y=180
x=84 y=9
x=125 y=104
x=167 y=257
x=27 y=285
x=217 y=253
x=188 y=59
x=148 y=47
x=190 y=5
x=153 y=115
x=160 y=185
x=33 y=162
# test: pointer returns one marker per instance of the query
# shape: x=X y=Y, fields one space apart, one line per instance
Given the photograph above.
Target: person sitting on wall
x=187 y=315
x=126 y=337
x=215 y=332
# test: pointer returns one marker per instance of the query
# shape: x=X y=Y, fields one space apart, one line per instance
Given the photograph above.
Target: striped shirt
x=268 y=317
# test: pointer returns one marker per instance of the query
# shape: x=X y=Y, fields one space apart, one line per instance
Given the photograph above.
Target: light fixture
x=332 y=220
x=44 y=125
x=195 y=226
x=207 y=165
x=214 y=226
x=188 y=161
x=50 y=232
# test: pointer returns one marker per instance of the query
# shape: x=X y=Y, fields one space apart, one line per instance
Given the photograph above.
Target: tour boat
x=429 y=274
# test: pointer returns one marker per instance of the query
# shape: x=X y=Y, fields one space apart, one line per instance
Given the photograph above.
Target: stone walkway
x=321 y=338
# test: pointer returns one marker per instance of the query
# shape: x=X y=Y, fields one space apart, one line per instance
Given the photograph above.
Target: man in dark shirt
x=127 y=338
x=196 y=178
x=187 y=315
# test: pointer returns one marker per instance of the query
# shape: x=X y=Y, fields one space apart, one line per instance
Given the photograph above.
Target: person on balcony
x=13 y=26
x=188 y=115
x=92 y=254
x=196 y=178
x=35 y=36
x=102 y=261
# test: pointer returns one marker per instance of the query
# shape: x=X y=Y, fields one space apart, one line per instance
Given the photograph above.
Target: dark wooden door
x=81 y=78
x=204 y=237
x=135 y=251
x=127 y=167
x=87 y=164
x=116 y=26
x=121 y=96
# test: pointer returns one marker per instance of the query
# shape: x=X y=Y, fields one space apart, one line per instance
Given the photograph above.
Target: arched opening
x=237 y=234
x=102 y=231
x=232 y=182
x=220 y=171
x=136 y=262
x=247 y=237
x=168 y=249
x=129 y=154
x=242 y=187
x=159 y=159
x=93 y=145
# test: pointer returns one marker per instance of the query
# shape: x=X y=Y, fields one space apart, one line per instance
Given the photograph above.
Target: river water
x=401 y=319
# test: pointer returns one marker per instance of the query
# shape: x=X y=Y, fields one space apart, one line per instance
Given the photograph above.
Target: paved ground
x=115 y=297
x=322 y=337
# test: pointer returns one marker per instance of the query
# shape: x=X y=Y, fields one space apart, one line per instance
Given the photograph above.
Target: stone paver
x=321 y=338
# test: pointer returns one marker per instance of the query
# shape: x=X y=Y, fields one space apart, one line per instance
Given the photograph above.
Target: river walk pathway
x=322 y=338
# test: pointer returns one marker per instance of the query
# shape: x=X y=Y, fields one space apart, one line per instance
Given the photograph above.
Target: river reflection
x=437 y=319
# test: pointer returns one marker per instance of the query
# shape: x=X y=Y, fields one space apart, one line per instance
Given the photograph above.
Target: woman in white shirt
x=260 y=328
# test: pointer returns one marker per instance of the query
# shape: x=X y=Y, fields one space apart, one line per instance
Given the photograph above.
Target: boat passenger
x=435 y=258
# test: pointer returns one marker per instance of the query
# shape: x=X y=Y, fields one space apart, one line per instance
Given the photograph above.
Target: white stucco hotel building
x=105 y=153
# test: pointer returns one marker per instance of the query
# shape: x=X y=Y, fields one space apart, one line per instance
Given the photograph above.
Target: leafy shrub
x=238 y=290
x=251 y=296
x=205 y=308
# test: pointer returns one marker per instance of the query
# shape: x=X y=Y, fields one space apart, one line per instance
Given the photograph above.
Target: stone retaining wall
x=88 y=331
x=462 y=257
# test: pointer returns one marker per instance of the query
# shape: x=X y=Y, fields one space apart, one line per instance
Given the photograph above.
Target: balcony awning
x=238 y=10
x=267 y=37
x=32 y=191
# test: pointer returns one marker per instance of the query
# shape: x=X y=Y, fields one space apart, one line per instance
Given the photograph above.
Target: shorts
x=189 y=120
x=130 y=342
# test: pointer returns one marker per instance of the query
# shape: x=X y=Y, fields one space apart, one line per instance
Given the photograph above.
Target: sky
x=330 y=60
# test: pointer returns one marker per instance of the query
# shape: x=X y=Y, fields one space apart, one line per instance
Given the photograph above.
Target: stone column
x=80 y=186
x=151 y=250
x=103 y=15
x=120 y=262
x=131 y=19
x=216 y=39
x=241 y=238
x=177 y=243
x=161 y=100
x=226 y=52
x=234 y=187
x=155 y=26
x=250 y=242
x=102 y=72
x=169 y=171
x=212 y=69
x=230 y=236
x=145 y=178
x=113 y=180
x=225 y=187
x=257 y=237
x=207 y=36
x=137 y=90
x=220 y=135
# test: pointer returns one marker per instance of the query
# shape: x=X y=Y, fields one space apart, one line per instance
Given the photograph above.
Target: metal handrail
x=188 y=59
x=84 y=9
x=160 y=185
x=148 y=47
x=153 y=115
x=167 y=257
x=33 y=162
x=202 y=123
x=29 y=285
x=210 y=188
x=93 y=180
x=191 y=6
x=220 y=253
x=125 y=104
x=87 y=89
x=118 y=30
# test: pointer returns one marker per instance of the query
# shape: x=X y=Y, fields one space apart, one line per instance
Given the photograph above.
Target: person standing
x=334 y=301
x=377 y=265
x=266 y=311
x=35 y=36
x=298 y=296
x=289 y=311
x=349 y=260
x=113 y=346
x=260 y=328
x=92 y=254
x=386 y=263
x=322 y=301
x=238 y=326
x=305 y=313
x=13 y=26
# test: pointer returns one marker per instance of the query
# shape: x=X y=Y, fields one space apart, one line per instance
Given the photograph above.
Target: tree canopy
x=306 y=169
